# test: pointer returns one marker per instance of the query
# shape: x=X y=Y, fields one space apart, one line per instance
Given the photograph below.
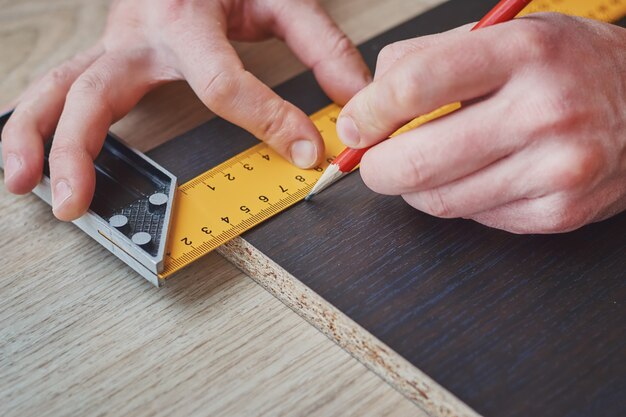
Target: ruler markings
x=234 y=198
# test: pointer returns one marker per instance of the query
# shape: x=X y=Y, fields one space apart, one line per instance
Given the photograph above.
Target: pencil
x=350 y=158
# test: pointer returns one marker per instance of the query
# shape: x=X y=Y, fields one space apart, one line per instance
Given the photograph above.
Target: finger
x=507 y=180
x=214 y=71
x=550 y=166
x=322 y=46
x=34 y=121
x=539 y=215
x=557 y=212
x=469 y=66
x=441 y=151
x=392 y=53
x=107 y=90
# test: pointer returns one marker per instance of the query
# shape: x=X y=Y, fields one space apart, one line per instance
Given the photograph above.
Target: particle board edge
x=357 y=341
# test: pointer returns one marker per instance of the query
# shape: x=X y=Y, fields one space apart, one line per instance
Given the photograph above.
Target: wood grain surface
x=512 y=325
x=82 y=334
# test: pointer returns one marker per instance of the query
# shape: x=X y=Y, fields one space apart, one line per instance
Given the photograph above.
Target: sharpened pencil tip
x=329 y=177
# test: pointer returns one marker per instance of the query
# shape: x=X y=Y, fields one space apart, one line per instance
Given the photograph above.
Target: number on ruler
x=207 y=234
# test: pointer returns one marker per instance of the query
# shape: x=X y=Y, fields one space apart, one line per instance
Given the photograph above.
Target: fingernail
x=347 y=131
x=303 y=153
x=12 y=166
x=60 y=194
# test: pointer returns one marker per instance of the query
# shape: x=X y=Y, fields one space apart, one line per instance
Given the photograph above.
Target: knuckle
x=405 y=176
x=341 y=45
x=57 y=78
x=367 y=115
x=579 y=169
x=92 y=82
x=414 y=172
x=59 y=75
x=61 y=154
x=563 y=216
x=555 y=110
x=410 y=88
x=394 y=52
x=540 y=37
x=273 y=125
x=436 y=204
x=389 y=54
x=220 y=87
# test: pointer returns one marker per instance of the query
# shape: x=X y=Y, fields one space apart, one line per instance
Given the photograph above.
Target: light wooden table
x=82 y=334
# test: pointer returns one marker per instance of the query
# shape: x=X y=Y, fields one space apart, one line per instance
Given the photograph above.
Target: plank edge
x=354 y=339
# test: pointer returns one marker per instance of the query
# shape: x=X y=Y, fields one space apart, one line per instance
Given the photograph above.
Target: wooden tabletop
x=82 y=334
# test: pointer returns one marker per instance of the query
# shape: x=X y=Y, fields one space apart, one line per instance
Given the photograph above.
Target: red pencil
x=349 y=158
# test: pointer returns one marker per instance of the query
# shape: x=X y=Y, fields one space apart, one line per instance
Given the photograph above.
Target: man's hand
x=148 y=43
x=540 y=143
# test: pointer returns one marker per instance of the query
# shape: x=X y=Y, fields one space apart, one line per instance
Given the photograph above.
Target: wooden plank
x=512 y=325
x=82 y=334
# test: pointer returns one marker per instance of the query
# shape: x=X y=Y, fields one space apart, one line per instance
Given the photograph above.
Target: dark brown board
x=512 y=325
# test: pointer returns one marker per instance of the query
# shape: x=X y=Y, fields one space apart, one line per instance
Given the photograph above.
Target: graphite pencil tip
x=328 y=178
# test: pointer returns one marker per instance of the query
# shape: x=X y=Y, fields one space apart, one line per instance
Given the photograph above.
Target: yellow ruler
x=604 y=10
x=256 y=184
x=247 y=189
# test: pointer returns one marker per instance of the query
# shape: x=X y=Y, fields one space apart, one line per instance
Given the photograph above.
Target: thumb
x=467 y=67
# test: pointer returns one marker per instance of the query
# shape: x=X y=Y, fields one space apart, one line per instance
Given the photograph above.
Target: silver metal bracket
x=132 y=206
